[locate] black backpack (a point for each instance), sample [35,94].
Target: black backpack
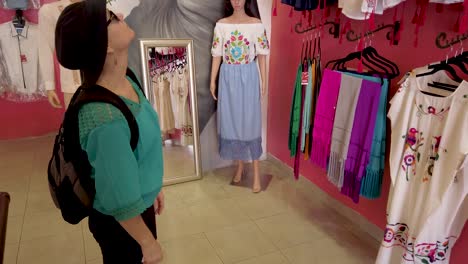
[69,171]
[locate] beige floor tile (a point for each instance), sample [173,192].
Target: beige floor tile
[288,229]
[217,214]
[240,242]
[17,203]
[326,251]
[11,253]
[40,202]
[38,182]
[62,248]
[175,223]
[219,176]
[14,226]
[261,205]
[272,258]
[200,191]
[172,197]
[15,179]
[192,249]
[45,224]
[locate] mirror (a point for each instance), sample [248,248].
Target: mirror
[169,81]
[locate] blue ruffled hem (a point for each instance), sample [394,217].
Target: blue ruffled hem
[240,150]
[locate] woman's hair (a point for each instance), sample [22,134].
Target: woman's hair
[251,8]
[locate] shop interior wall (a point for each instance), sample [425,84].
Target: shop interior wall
[284,60]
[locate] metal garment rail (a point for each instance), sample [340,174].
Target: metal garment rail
[4,203]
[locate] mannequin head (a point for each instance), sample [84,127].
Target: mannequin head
[249,6]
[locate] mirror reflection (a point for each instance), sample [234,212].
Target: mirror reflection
[171,88]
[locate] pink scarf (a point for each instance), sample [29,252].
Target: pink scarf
[324,117]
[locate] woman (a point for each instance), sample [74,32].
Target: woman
[238,40]
[128,183]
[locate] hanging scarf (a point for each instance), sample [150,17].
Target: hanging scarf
[372,182]
[306,108]
[361,138]
[342,126]
[324,117]
[295,118]
[311,111]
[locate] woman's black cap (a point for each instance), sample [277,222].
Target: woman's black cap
[81,38]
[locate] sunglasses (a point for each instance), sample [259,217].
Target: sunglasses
[112,17]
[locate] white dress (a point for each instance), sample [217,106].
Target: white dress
[427,207]
[182,113]
[163,103]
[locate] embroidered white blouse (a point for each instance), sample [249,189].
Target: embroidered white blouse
[428,157]
[239,43]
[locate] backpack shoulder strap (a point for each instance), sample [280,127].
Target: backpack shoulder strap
[100,94]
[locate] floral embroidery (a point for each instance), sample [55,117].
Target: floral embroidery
[433,156]
[413,140]
[215,41]
[263,41]
[396,235]
[430,110]
[237,49]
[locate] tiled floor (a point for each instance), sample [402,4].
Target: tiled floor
[206,222]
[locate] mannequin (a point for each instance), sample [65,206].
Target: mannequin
[238,40]
[69,80]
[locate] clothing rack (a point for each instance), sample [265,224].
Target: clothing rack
[395,27]
[442,42]
[334,29]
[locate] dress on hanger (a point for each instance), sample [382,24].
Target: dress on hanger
[428,166]
[182,113]
[163,104]
[239,99]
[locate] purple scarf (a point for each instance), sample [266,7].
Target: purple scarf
[361,138]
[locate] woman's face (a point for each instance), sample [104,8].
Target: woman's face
[119,33]
[238,4]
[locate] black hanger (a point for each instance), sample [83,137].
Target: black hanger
[442,66]
[18,19]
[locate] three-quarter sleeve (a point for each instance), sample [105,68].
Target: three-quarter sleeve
[262,45]
[216,46]
[116,171]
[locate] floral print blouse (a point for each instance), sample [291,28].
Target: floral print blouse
[239,43]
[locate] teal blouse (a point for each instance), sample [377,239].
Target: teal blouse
[127,182]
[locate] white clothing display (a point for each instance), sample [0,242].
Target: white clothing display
[163,104]
[48,16]
[361,9]
[20,78]
[239,43]
[180,90]
[427,206]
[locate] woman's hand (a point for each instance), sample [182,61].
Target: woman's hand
[159,203]
[263,90]
[213,91]
[152,253]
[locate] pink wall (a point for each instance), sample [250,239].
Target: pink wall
[28,119]
[286,48]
